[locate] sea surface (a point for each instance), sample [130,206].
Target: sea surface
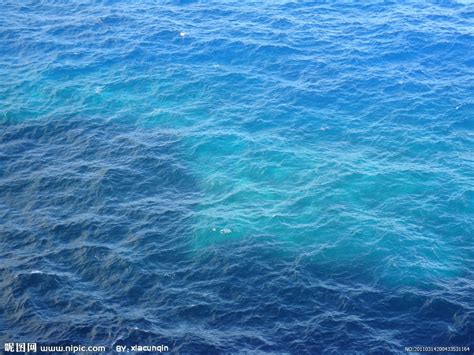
[233,176]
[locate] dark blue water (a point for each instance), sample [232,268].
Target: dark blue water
[237,177]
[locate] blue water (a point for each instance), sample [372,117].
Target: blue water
[237,176]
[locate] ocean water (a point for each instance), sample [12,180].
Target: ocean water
[286,177]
